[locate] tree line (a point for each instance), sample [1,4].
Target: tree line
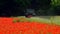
[17,7]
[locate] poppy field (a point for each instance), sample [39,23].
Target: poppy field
[24,26]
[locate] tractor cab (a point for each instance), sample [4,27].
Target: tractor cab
[29,13]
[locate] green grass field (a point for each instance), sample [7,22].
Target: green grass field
[52,20]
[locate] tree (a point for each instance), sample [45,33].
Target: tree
[55,2]
[34,3]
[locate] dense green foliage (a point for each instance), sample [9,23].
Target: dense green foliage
[55,2]
[42,7]
[34,3]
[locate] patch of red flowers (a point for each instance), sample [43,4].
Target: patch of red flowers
[8,27]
